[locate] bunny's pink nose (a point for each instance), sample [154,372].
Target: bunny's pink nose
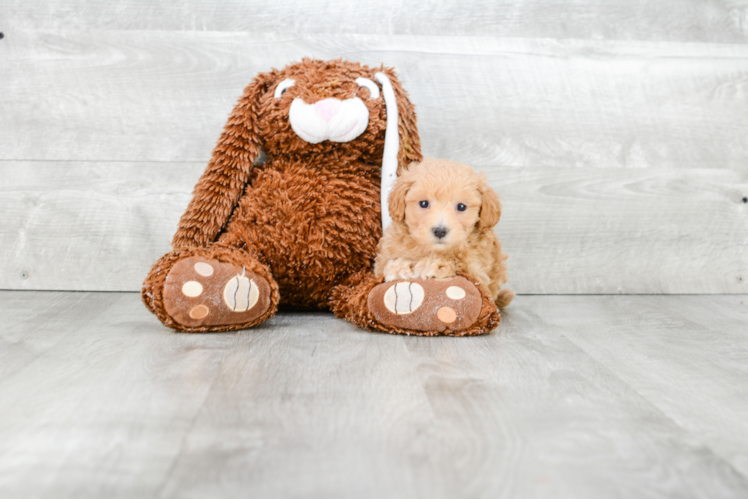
[327,108]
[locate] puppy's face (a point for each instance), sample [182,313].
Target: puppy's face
[443,204]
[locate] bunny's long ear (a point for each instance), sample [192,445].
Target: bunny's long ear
[224,180]
[410,141]
[402,144]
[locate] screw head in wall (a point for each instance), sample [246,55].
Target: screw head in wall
[24,275]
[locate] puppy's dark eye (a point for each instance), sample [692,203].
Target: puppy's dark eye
[461,207]
[424,204]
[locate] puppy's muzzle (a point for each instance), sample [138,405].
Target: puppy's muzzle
[440,231]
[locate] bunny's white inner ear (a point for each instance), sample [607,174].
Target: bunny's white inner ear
[373,89]
[391,146]
[282,86]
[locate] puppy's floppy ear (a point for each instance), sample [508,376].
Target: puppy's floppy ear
[225,178]
[396,200]
[490,209]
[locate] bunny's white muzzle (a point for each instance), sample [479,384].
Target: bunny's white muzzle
[329,119]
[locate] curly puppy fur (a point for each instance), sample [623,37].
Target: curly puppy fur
[443,215]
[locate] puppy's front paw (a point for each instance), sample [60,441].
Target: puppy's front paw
[398,269]
[433,268]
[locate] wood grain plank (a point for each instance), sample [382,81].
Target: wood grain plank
[164,96]
[624,230]
[688,356]
[526,413]
[308,405]
[84,226]
[518,413]
[100,226]
[104,412]
[704,21]
[312,406]
[33,323]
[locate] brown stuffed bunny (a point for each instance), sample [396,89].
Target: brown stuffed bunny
[301,229]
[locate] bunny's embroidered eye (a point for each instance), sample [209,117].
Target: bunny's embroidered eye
[461,207]
[283,86]
[424,204]
[373,88]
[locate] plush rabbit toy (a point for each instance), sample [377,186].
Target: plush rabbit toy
[300,230]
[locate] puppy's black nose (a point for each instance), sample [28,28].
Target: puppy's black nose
[440,232]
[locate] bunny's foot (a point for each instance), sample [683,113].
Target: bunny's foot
[202,293]
[452,306]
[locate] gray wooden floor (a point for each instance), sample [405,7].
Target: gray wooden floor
[632,396]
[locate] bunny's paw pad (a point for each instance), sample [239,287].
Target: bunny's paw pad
[207,292]
[426,305]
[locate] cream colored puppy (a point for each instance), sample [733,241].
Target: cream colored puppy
[443,214]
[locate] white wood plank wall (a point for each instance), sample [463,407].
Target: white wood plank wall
[616,131]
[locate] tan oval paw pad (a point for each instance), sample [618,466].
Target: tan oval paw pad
[192,289]
[446,314]
[404,297]
[203,269]
[241,293]
[199,312]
